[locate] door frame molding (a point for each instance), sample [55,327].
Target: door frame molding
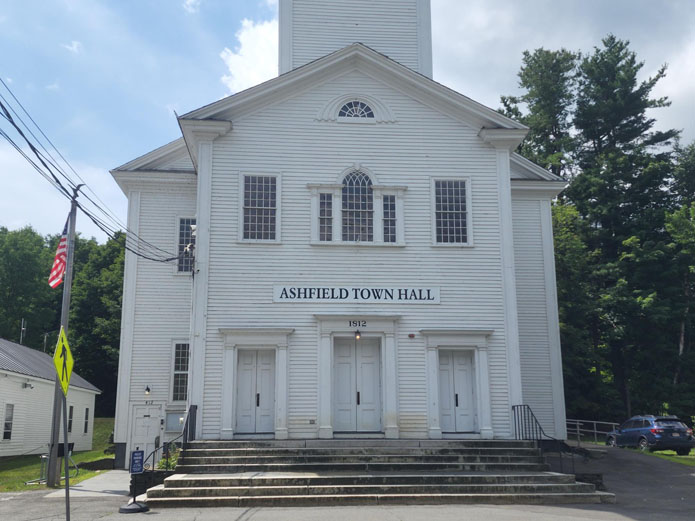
[381,326]
[257,338]
[475,340]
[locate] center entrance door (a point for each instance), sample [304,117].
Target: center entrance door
[456,391]
[255,391]
[357,385]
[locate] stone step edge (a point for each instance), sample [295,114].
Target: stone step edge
[537,498]
[585,487]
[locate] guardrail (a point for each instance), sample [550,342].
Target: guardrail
[589,430]
[527,427]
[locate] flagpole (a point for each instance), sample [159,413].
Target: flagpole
[53,473]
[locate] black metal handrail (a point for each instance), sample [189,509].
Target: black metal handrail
[527,427]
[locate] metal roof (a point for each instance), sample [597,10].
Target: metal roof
[20,359]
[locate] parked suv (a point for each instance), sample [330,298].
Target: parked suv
[653,433]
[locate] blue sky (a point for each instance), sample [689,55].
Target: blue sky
[103,78]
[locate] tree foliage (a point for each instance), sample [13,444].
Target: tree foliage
[95,312]
[621,229]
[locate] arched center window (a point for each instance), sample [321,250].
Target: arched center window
[356,109]
[358,208]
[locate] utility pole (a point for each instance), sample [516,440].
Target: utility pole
[53,474]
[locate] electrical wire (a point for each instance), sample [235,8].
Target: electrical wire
[137,246]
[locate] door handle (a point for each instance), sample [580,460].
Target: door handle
[358,397]
[456,399]
[258,399]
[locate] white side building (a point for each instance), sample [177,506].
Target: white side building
[351,196]
[27,384]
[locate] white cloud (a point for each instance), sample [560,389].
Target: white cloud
[255,59]
[28,199]
[53,86]
[191,6]
[74,46]
[273,4]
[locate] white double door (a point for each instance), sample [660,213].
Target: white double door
[357,385]
[457,391]
[255,391]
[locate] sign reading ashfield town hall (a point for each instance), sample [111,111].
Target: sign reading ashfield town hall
[393,295]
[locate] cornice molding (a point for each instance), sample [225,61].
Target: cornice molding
[503,138]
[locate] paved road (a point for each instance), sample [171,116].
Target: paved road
[647,488]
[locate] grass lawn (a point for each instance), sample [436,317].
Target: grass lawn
[672,456]
[15,470]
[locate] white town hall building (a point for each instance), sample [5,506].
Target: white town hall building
[361,253]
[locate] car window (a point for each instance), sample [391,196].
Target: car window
[628,424]
[670,423]
[646,423]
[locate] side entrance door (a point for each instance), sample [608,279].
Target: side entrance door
[457,391]
[147,428]
[357,385]
[255,391]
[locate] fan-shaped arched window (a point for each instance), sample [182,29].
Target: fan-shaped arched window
[356,109]
[358,207]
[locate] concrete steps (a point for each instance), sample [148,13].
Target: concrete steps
[333,472]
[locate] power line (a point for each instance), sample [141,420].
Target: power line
[142,248]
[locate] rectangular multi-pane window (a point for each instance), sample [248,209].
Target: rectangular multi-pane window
[9,420]
[70,411]
[389,218]
[450,211]
[325,217]
[180,390]
[260,207]
[186,244]
[86,420]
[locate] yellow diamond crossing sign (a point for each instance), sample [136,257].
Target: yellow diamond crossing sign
[63,361]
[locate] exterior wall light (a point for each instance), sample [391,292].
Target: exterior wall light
[358,335]
[147,390]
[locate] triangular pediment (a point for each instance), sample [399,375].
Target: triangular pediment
[172,157]
[360,57]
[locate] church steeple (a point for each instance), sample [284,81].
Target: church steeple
[400,29]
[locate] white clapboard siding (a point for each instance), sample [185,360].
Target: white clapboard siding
[286,139]
[532,297]
[320,27]
[163,296]
[33,406]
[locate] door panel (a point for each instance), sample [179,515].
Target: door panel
[464,391]
[265,390]
[447,412]
[457,400]
[255,391]
[344,387]
[368,365]
[246,392]
[146,427]
[356,369]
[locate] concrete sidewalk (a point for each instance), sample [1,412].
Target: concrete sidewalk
[108,484]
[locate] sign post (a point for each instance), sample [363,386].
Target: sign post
[64,362]
[137,466]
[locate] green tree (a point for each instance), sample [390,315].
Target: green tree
[548,79]
[95,317]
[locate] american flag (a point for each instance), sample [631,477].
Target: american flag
[61,260]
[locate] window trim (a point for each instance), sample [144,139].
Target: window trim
[378,208]
[278,208]
[176,244]
[170,397]
[469,212]
[85,430]
[71,415]
[5,422]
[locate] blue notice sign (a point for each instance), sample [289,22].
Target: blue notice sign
[136,461]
